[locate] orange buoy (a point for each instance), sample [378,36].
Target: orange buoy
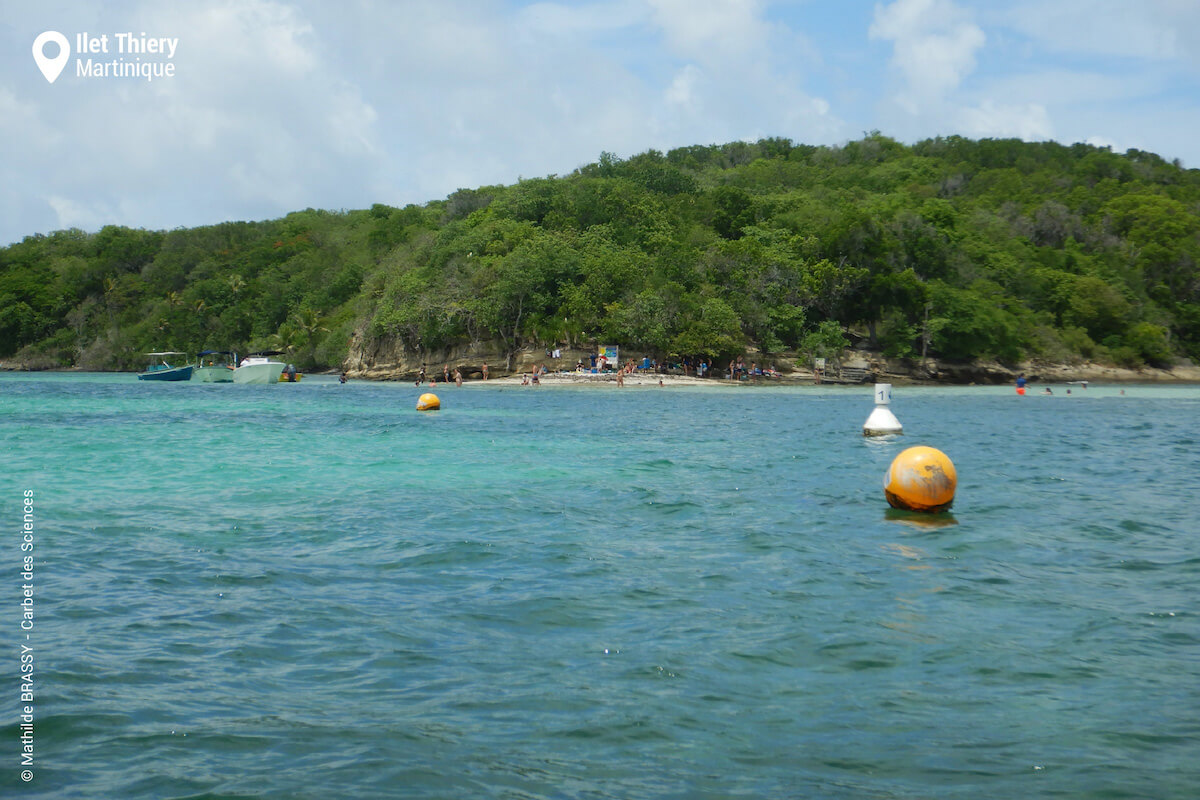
[428,402]
[920,479]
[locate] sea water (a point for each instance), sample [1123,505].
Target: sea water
[314,591]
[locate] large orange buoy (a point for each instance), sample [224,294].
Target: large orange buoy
[920,479]
[428,402]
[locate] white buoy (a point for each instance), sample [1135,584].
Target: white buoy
[882,421]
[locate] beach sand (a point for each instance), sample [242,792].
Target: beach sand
[607,379]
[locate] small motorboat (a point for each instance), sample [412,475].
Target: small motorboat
[160,370]
[218,368]
[259,368]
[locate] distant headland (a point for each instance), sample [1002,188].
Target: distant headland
[949,260]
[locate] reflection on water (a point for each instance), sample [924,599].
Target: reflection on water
[919,521]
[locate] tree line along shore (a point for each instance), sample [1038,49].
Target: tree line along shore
[951,252]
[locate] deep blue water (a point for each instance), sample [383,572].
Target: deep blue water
[315,591]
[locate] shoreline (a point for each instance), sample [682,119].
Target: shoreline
[873,371]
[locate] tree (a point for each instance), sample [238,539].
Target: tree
[308,325]
[825,341]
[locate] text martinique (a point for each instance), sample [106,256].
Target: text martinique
[120,68]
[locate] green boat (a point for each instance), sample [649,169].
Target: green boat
[214,366]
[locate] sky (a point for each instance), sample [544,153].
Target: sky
[279,105]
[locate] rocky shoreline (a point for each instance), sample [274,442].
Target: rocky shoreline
[384,360]
[857,367]
[990,372]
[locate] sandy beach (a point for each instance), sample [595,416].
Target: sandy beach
[607,379]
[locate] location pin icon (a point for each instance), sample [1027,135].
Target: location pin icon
[51,67]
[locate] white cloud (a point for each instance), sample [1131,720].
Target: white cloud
[682,91]
[1150,29]
[1062,88]
[934,45]
[999,120]
[69,214]
[254,124]
[562,20]
[708,30]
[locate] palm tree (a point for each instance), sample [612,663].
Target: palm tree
[308,323]
[286,339]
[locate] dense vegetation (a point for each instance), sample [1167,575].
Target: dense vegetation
[956,248]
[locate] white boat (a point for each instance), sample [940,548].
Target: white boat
[259,368]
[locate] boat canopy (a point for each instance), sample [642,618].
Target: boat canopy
[167,353]
[266,353]
[215,353]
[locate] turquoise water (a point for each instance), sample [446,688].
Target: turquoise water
[314,591]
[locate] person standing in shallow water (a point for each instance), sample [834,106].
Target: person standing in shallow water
[457,377]
[485,372]
[1021,383]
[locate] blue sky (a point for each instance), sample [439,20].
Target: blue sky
[279,105]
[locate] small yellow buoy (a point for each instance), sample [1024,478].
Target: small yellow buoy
[920,479]
[428,402]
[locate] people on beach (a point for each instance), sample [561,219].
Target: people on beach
[485,372]
[420,376]
[446,373]
[457,377]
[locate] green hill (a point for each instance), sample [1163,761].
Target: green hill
[958,248]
